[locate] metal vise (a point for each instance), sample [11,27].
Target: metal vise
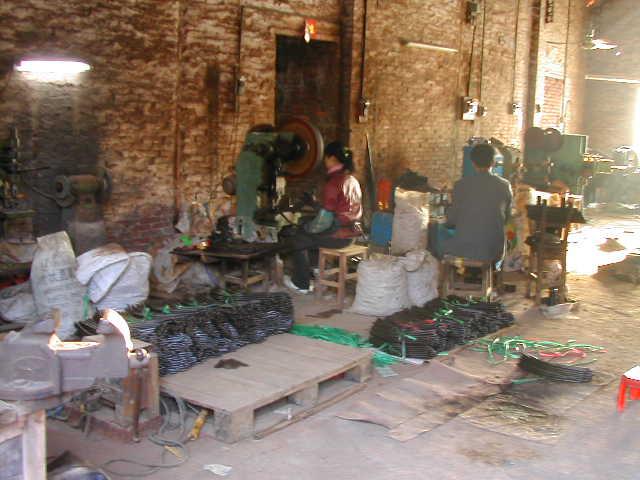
[36,364]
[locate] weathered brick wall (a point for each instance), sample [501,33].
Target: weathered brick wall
[552,103]
[121,113]
[223,41]
[162,88]
[570,16]
[611,118]
[415,93]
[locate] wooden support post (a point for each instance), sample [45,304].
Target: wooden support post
[230,427]
[34,447]
[360,373]
[307,397]
[342,280]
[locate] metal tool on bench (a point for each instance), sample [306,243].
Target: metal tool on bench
[35,364]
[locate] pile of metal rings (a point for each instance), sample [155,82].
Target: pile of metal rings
[440,325]
[186,335]
[555,371]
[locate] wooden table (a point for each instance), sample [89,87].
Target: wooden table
[245,254]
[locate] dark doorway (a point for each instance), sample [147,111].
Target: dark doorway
[308,85]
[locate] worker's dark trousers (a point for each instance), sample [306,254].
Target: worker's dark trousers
[301,244]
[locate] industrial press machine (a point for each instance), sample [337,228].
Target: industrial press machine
[270,157]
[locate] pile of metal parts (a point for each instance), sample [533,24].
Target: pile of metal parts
[422,332]
[543,358]
[554,371]
[185,335]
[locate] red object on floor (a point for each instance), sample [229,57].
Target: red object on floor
[631,381]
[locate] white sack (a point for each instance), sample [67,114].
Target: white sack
[166,271]
[423,281]
[54,282]
[101,268]
[410,222]
[382,287]
[132,287]
[17,252]
[17,304]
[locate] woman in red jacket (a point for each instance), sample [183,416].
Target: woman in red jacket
[337,225]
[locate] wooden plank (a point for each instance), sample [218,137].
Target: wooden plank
[274,359]
[271,374]
[297,344]
[285,368]
[260,434]
[204,387]
[34,448]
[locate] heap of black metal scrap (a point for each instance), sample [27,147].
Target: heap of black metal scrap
[422,332]
[185,335]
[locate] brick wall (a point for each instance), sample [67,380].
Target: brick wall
[551,114]
[561,40]
[415,92]
[167,122]
[611,118]
[119,114]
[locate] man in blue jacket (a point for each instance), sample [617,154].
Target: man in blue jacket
[480,209]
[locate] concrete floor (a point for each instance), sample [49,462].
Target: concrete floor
[599,443]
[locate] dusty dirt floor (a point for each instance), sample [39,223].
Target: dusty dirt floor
[595,441]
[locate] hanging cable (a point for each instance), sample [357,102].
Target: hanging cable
[168,445]
[484,28]
[473,43]
[565,69]
[515,53]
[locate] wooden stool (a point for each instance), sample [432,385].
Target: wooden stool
[451,264]
[342,271]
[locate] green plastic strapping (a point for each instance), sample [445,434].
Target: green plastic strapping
[501,349]
[343,337]
[86,307]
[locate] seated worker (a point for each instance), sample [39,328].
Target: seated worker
[480,208]
[337,225]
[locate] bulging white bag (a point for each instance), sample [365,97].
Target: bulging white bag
[410,222]
[100,268]
[382,287]
[423,281]
[17,305]
[132,287]
[116,279]
[54,283]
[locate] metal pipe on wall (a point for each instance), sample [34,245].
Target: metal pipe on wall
[177,133]
[515,53]
[565,69]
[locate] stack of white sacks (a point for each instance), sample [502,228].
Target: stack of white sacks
[388,284]
[107,277]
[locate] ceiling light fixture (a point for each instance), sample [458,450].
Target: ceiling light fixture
[52,66]
[52,70]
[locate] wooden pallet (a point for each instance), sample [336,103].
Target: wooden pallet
[288,377]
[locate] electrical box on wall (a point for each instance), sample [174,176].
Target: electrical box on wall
[515,108]
[472,109]
[473,9]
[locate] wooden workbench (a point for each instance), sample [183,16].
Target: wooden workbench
[244,254]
